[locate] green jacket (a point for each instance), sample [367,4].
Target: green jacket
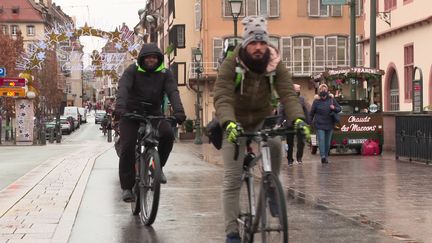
[250,103]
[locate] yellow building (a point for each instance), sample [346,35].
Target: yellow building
[310,36]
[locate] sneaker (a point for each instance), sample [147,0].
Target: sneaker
[299,161]
[273,204]
[290,162]
[163,179]
[233,237]
[324,160]
[128,196]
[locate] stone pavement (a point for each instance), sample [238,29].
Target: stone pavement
[394,197]
[41,206]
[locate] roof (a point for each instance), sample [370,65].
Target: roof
[28,12]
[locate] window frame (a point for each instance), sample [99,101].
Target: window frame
[14,30]
[286,52]
[33,32]
[390,5]
[319,68]
[319,9]
[5,29]
[305,70]
[408,70]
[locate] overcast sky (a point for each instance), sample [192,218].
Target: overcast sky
[101,14]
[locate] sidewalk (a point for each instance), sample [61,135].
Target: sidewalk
[394,197]
[41,206]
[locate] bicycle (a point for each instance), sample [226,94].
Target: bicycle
[148,168]
[256,215]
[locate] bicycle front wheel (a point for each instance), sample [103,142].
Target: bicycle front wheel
[273,217]
[149,186]
[245,216]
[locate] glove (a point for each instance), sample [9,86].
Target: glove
[232,130]
[180,118]
[300,125]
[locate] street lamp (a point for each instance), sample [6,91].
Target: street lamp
[236,7]
[198,69]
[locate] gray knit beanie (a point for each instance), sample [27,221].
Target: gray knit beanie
[255,29]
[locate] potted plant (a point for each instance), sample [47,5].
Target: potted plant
[188,127]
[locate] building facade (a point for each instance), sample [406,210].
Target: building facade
[402,39]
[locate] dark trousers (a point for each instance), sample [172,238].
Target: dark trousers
[128,137]
[300,146]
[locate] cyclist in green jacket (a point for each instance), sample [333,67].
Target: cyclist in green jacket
[246,86]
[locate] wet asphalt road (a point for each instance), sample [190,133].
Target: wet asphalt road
[190,209]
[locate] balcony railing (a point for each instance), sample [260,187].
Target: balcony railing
[297,69]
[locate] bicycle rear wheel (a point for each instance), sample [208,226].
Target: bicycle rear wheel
[149,186]
[245,216]
[273,219]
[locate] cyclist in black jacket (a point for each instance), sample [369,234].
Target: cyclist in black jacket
[145,81]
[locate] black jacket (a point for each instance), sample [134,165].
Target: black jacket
[139,85]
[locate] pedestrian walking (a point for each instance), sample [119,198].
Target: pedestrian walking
[321,115]
[289,124]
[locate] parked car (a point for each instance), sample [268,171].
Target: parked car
[73,112]
[83,114]
[50,126]
[99,116]
[66,125]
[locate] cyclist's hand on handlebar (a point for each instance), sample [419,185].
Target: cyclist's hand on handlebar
[300,125]
[180,118]
[232,130]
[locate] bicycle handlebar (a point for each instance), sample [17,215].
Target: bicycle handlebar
[139,117]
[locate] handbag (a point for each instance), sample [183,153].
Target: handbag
[335,116]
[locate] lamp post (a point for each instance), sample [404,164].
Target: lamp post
[236,7]
[198,70]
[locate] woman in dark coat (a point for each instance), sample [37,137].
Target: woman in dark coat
[323,122]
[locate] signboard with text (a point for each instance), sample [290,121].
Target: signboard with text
[333,2]
[12,82]
[12,92]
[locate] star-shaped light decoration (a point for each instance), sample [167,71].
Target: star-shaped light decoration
[42,45]
[40,56]
[118,46]
[22,106]
[27,135]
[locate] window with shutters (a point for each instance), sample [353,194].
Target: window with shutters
[336,51]
[390,5]
[359,51]
[359,7]
[408,70]
[342,51]
[274,41]
[394,91]
[317,9]
[217,51]
[14,29]
[171,8]
[286,52]
[319,54]
[269,8]
[181,37]
[30,30]
[302,56]
[198,15]
[336,10]
[4,29]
